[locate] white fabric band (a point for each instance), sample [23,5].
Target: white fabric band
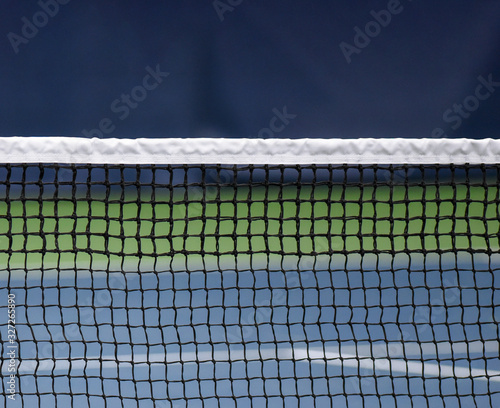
[248,151]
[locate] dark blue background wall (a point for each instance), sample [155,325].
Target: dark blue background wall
[233,68]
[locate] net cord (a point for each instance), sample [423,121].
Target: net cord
[248,151]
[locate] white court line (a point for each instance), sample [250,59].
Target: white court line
[369,365]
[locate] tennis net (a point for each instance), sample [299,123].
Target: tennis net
[326,273]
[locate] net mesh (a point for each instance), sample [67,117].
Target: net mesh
[232,286]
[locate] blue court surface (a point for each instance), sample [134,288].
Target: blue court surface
[340,331]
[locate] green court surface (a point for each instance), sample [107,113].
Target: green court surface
[272,220]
